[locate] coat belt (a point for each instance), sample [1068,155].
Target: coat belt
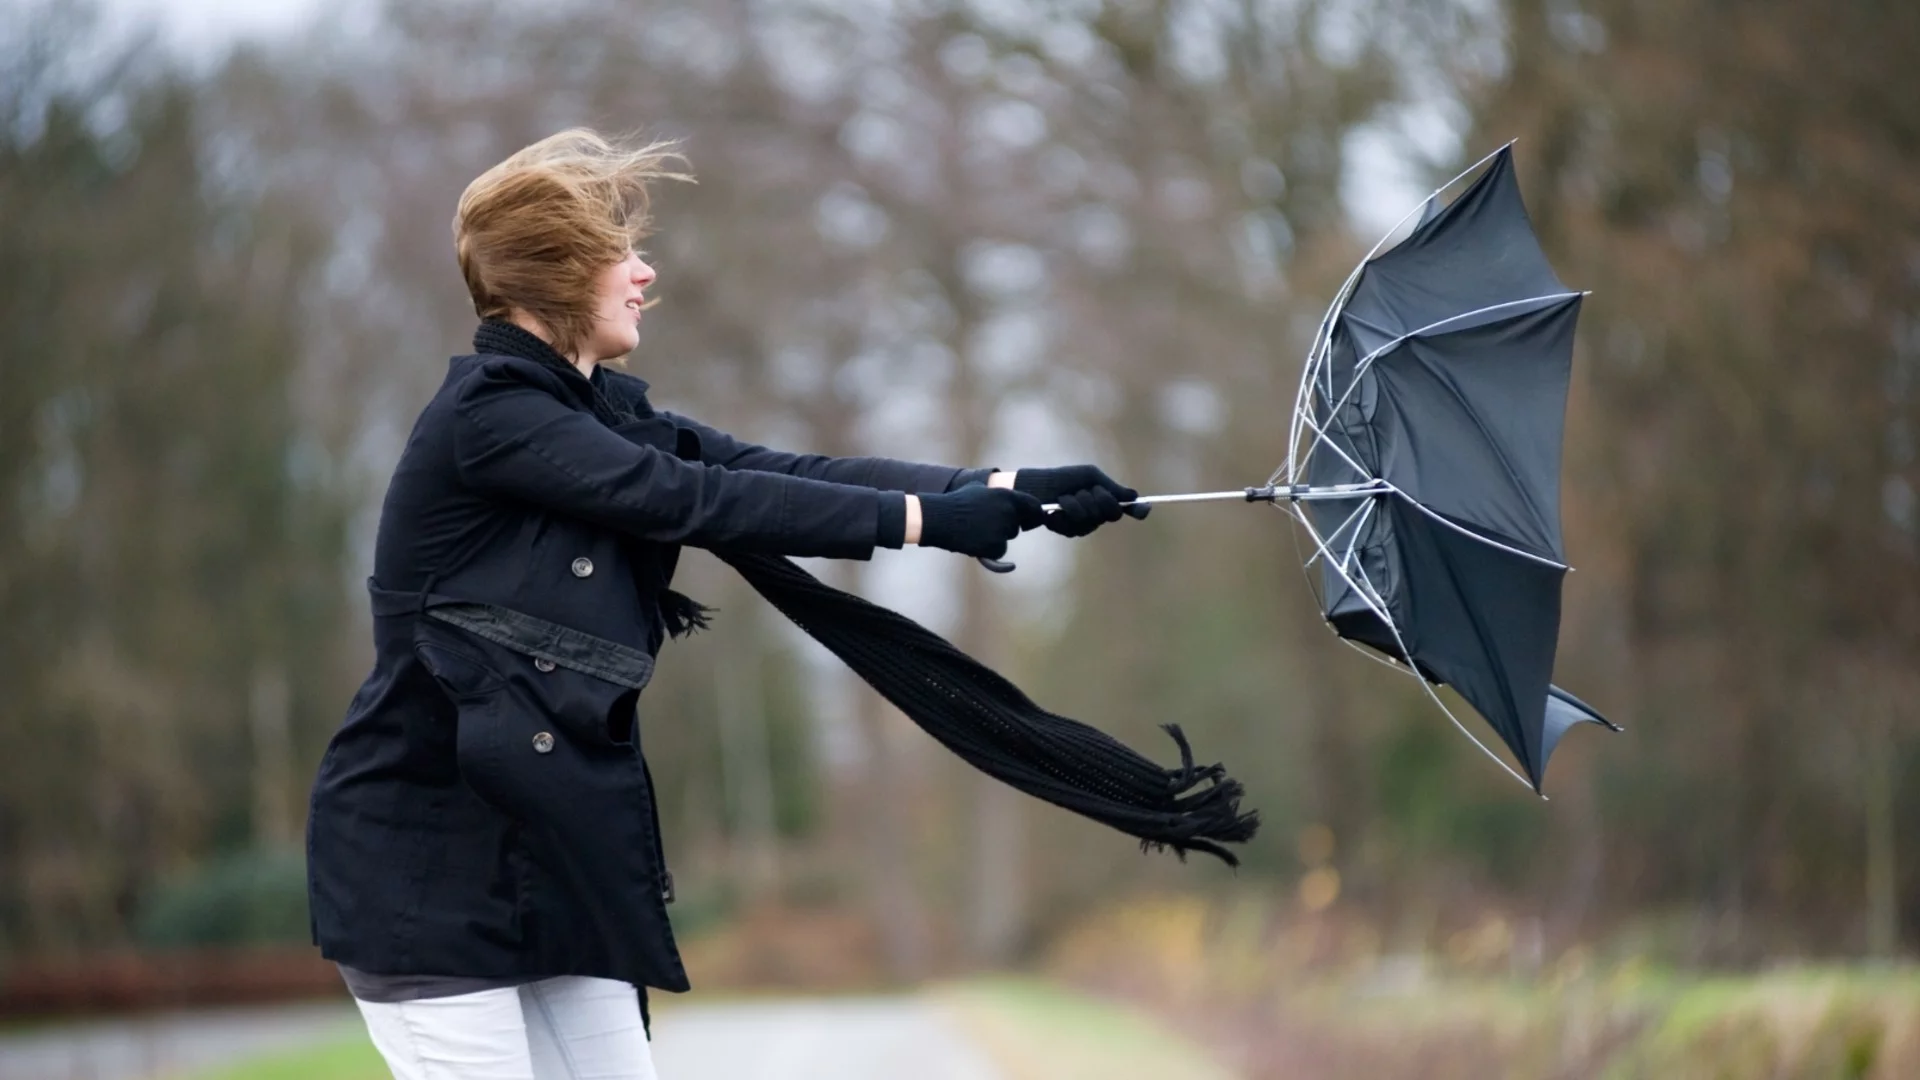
[564,646]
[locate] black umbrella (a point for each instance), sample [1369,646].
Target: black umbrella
[1439,385]
[1424,461]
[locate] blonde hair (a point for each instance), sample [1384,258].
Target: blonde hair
[535,232]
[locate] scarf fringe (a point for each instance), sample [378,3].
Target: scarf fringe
[683,614]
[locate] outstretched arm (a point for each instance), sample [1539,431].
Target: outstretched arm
[514,438]
[882,474]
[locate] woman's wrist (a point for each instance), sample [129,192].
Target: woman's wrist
[915,514]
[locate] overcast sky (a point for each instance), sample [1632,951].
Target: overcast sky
[204,27]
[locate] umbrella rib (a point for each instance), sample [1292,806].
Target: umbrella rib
[1301,395]
[1366,362]
[1317,348]
[1366,511]
[1432,195]
[1317,355]
[1323,440]
[1424,685]
[1463,531]
[1427,686]
[1495,660]
[1320,433]
[1446,380]
[1339,531]
[1368,595]
[1376,657]
[1432,326]
[1342,527]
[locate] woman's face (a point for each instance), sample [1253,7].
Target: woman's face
[616,328]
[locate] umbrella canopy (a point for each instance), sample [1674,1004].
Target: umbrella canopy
[1435,399]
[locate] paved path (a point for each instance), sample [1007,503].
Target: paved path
[161,1043]
[815,1039]
[785,1039]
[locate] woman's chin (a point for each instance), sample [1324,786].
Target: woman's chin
[617,348]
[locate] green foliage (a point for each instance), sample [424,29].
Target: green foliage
[1812,1025]
[172,522]
[1435,810]
[247,898]
[351,1058]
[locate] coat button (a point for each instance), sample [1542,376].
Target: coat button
[541,663]
[582,566]
[543,743]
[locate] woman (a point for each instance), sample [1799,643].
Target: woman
[484,855]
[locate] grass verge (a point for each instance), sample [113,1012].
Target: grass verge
[1037,1030]
[347,1057]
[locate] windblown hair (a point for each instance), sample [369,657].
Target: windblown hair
[535,232]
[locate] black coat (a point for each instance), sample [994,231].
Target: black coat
[485,809]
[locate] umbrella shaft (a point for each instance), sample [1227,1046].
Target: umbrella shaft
[1271,493]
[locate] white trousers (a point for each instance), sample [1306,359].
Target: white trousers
[567,1028]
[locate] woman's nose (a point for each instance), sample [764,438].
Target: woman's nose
[643,274]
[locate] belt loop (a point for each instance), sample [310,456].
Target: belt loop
[426,590]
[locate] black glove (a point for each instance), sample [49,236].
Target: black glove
[976,519]
[1088,498]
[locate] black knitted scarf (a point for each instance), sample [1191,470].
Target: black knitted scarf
[970,709]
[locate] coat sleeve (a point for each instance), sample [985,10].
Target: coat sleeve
[881,474]
[514,439]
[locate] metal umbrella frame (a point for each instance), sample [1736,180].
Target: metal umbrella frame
[1324,391]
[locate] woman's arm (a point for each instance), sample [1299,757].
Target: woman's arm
[882,474]
[514,438]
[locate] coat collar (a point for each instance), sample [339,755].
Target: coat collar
[624,393]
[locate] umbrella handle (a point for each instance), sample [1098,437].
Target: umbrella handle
[1259,494]
[1266,494]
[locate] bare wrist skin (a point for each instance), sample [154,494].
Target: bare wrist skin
[1002,479]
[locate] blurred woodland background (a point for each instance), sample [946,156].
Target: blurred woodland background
[997,232]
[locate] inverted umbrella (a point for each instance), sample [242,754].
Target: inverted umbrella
[1424,461]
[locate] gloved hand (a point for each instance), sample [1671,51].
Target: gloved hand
[1088,497]
[976,519]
